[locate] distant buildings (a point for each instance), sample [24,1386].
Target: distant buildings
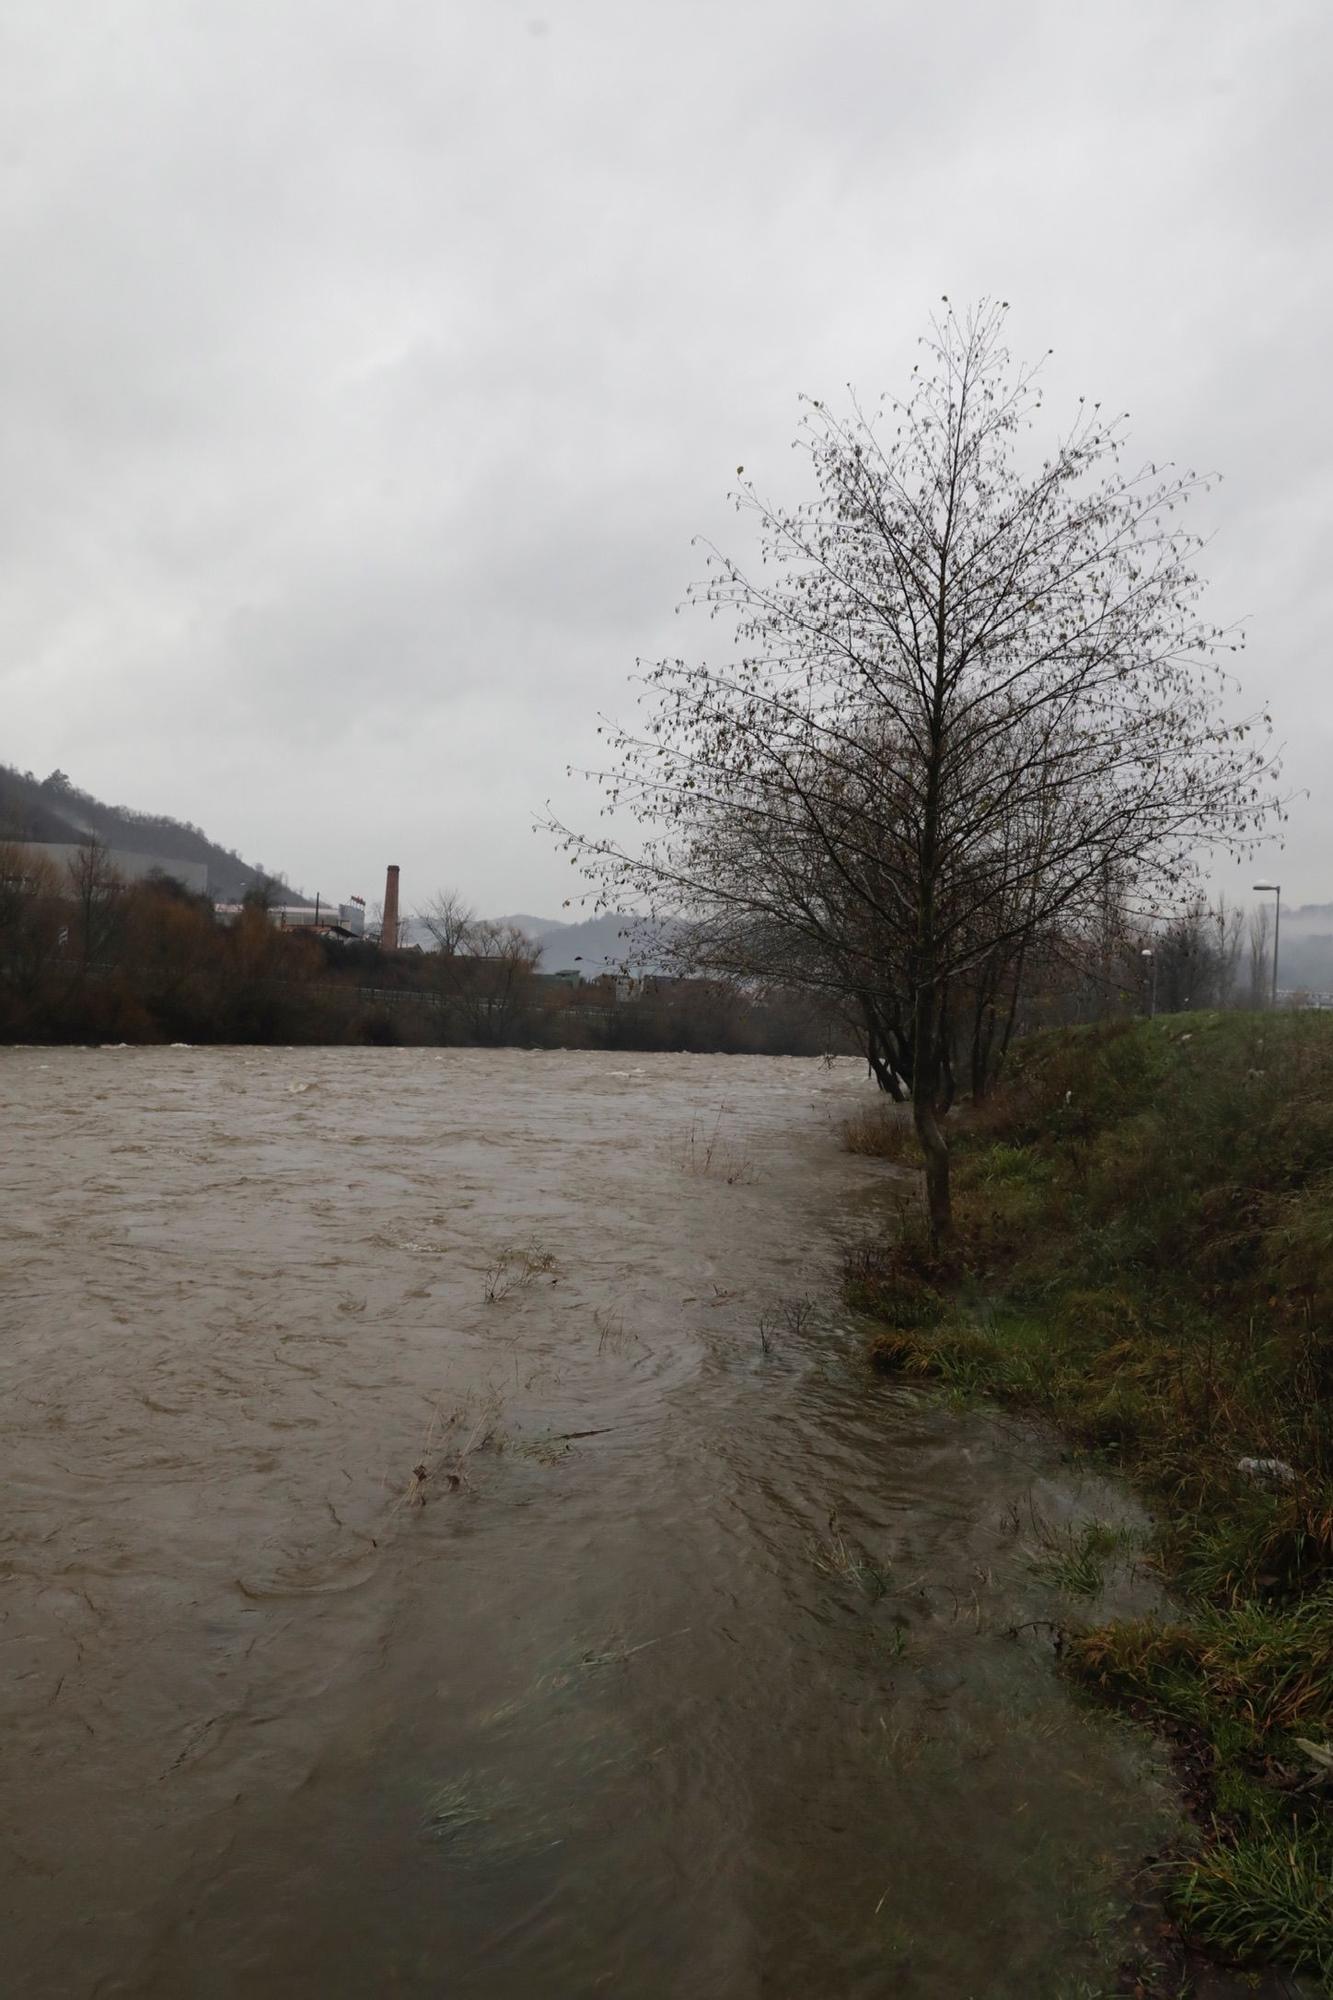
[346,920]
[602,987]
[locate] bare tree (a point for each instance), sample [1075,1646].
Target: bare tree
[1196,956]
[449,922]
[1228,924]
[973,680]
[482,970]
[95,885]
[493,983]
[1259,939]
[31,921]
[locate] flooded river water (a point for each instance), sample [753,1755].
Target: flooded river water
[452,1546]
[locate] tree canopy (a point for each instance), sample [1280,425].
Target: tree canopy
[972,692]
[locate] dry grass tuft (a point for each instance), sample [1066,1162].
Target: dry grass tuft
[516,1267]
[885,1133]
[708,1154]
[843,1562]
[612,1335]
[791,1316]
[450,1443]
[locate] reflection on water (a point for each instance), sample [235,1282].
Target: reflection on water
[450,1546]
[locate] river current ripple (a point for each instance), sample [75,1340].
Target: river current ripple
[452,1545]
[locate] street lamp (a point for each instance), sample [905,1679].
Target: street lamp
[1276,888]
[1146,953]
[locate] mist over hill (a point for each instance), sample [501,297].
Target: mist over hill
[616,942]
[55,808]
[1305,949]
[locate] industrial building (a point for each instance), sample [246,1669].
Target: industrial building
[329,919]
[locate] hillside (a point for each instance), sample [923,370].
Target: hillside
[607,944]
[53,808]
[597,945]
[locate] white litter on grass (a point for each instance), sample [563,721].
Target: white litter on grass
[1273,1471]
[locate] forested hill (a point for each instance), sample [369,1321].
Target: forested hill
[53,808]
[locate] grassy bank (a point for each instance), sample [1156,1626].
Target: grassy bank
[1146,1251]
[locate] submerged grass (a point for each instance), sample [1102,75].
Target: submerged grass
[1076,1558]
[706,1153]
[883,1134]
[842,1561]
[514,1268]
[1145,1250]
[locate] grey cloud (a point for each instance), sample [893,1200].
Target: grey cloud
[369,367]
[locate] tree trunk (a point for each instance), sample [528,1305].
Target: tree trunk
[929,1000]
[925,1106]
[983,1027]
[882,1055]
[939,1202]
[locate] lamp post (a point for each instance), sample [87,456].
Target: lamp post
[1146,953]
[1276,889]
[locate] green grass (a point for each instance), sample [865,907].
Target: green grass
[1146,1251]
[1075,1559]
[1265,1897]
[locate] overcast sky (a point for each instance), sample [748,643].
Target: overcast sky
[369,364]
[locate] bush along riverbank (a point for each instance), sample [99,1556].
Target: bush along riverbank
[1145,1251]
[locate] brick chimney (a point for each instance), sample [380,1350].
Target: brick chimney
[389,925]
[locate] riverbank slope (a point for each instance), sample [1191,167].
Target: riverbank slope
[1146,1251]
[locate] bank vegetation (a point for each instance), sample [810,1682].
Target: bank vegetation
[1144,1249]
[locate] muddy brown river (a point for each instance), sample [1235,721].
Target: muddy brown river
[452,1546]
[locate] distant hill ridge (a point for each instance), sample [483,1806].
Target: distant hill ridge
[55,809]
[611,943]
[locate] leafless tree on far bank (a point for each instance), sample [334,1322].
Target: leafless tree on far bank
[94,885]
[449,922]
[1260,948]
